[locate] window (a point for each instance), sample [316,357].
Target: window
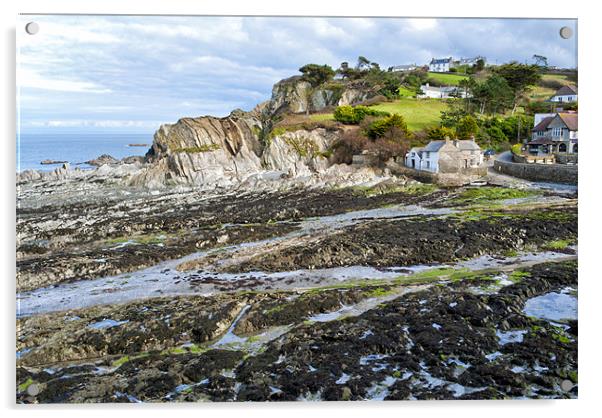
[556,131]
[428,164]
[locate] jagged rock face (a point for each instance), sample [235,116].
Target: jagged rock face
[299,153]
[292,94]
[205,150]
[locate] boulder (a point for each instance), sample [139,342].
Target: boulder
[102,160]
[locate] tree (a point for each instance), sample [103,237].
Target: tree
[363,63]
[520,77]
[540,60]
[480,65]
[467,127]
[493,95]
[316,75]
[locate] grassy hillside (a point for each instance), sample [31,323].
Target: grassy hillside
[449,79]
[418,113]
[543,93]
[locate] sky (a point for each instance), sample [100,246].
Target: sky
[133,73]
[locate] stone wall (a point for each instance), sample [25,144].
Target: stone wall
[533,159]
[566,158]
[554,173]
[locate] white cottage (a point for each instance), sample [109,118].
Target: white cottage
[441,65]
[446,156]
[565,94]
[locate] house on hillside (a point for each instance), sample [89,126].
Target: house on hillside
[447,156]
[445,92]
[471,61]
[554,133]
[565,94]
[441,65]
[403,68]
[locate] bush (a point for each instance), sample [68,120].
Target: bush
[517,149]
[384,149]
[467,127]
[351,115]
[440,132]
[351,143]
[381,127]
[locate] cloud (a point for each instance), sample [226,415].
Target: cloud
[422,23]
[30,79]
[146,69]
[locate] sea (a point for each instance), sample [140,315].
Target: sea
[76,149]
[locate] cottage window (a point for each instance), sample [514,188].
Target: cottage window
[428,164]
[557,132]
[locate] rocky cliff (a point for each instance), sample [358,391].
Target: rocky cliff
[223,152]
[293,94]
[210,152]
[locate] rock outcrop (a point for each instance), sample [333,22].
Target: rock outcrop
[205,150]
[210,152]
[293,95]
[102,160]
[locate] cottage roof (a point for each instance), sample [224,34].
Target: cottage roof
[434,146]
[541,141]
[570,120]
[543,125]
[441,60]
[566,91]
[464,144]
[469,145]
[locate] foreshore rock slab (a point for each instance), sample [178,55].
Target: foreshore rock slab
[385,243]
[456,340]
[61,240]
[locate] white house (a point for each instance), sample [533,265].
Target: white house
[403,68]
[441,65]
[446,156]
[565,94]
[471,61]
[446,92]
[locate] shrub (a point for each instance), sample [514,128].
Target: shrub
[517,149]
[440,132]
[351,143]
[354,115]
[381,127]
[384,149]
[467,127]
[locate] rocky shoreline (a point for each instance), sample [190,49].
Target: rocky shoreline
[389,290]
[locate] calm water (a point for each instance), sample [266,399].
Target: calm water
[76,148]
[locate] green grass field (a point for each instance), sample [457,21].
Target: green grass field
[544,93]
[449,79]
[418,113]
[403,92]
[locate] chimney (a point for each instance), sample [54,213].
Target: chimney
[456,143]
[446,138]
[472,138]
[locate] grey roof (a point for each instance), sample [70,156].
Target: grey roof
[566,91]
[467,144]
[441,60]
[463,144]
[434,146]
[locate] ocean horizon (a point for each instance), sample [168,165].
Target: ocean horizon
[76,148]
